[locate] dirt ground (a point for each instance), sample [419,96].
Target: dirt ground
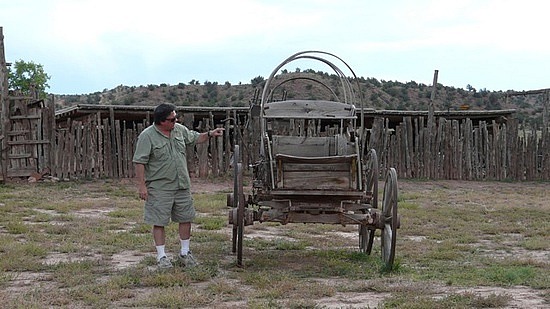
[521,297]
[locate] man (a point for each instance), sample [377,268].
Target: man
[163,180]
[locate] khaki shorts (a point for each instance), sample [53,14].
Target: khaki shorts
[162,206]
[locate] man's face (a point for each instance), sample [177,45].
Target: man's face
[170,121]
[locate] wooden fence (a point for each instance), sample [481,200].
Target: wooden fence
[453,149]
[92,147]
[417,148]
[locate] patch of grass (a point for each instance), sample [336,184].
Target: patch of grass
[16,227]
[454,300]
[166,279]
[225,289]
[68,247]
[408,205]
[406,196]
[73,273]
[348,264]
[128,278]
[66,217]
[536,243]
[5,278]
[141,228]
[282,244]
[176,297]
[209,237]
[264,280]
[17,256]
[509,275]
[127,213]
[119,191]
[446,250]
[211,223]
[58,229]
[42,217]
[210,203]
[115,242]
[286,285]
[40,297]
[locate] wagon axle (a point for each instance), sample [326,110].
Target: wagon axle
[372,219]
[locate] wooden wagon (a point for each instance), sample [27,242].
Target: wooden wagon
[313,166]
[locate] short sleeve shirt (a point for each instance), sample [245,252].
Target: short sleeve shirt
[165,157]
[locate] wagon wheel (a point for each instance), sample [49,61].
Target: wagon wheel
[371,176]
[366,235]
[391,220]
[238,201]
[366,238]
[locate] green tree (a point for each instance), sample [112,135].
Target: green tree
[257,81]
[28,76]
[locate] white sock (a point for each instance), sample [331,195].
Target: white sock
[160,252]
[184,246]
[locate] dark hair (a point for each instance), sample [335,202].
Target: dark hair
[162,111]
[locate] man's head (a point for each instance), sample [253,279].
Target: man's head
[164,112]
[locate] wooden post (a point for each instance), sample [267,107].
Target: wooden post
[434,87]
[545,164]
[50,129]
[118,143]
[228,149]
[188,120]
[99,164]
[213,148]
[431,130]
[107,145]
[202,150]
[4,109]
[114,150]
[545,110]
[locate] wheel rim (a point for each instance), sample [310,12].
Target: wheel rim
[389,213]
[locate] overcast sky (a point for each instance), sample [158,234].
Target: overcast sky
[92,45]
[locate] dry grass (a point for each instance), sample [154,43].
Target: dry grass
[461,245]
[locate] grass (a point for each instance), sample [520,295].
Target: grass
[59,244]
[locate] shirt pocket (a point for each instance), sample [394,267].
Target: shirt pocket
[161,151]
[180,145]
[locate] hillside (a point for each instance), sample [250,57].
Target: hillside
[377,94]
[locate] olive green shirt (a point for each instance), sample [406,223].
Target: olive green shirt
[165,157]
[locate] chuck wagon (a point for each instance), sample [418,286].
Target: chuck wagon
[313,166]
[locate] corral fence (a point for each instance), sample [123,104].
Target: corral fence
[98,145]
[456,149]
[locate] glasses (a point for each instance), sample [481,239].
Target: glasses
[171,119]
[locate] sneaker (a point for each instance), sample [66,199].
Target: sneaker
[188,260]
[164,263]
